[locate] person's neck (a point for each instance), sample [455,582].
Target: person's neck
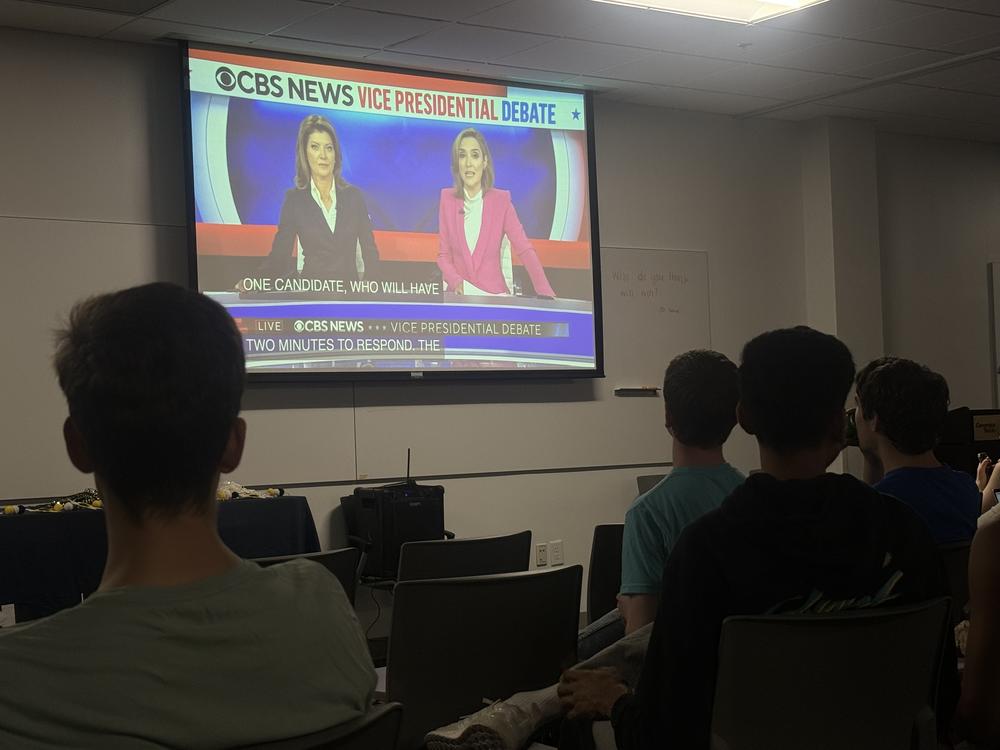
[324,185]
[893,459]
[804,464]
[474,193]
[162,551]
[689,455]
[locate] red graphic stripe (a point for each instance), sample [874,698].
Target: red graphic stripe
[254,240]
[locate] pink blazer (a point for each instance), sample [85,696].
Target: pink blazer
[482,268]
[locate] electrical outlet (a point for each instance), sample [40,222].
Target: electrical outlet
[556,552]
[541,555]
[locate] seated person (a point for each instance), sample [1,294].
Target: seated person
[902,408]
[977,719]
[700,391]
[789,537]
[183,644]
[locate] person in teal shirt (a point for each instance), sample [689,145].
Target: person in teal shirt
[700,393]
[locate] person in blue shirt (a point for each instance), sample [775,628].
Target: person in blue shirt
[902,407]
[700,393]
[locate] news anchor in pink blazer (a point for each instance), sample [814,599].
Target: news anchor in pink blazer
[473,218]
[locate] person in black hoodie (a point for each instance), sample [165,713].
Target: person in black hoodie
[791,538]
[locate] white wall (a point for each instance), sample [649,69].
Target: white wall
[939,227]
[92,159]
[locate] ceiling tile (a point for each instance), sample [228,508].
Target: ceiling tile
[650,29]
[255,16]
[317,49]
[888,98]
[148,29]
[846,18]
[359,28]
[767,81]
[471,43]
[447,10]
[976,43]
[25,15]
[128,7]
[564,18]
[710,101]
[508,73]
[754,43]
[953,105]
[667,68]
[981,76]
[939,30]
[573,56]
[839,56]
[989,7]
[901,64]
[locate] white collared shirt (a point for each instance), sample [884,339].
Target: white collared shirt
[473,219]
[473,214]
[331,221]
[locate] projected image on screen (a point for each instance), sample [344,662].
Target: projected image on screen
[353,218]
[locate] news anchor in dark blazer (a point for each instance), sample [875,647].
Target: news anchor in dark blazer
[324,231]
[473,219]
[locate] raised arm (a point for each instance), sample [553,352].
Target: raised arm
[526,252]
[977,718]
[280,261]
[445,251]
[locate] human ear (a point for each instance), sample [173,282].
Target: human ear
[76,447]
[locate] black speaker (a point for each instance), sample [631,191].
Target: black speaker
[383,518]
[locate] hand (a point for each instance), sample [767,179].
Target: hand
[587,693]
[983,473]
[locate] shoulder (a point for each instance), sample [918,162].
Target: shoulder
[300,578]
[350,194]
[448,195]
[497,196]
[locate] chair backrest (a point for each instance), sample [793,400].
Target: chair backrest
[956,564]
[646,482]
[864,679]
[455,558]
[376,730]
[457,641]
[343,563]
[605,577]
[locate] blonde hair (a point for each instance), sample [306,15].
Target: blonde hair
[488,176]
[316,124]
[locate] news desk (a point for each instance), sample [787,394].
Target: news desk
[48,561]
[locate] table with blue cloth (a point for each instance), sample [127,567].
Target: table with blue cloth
[48,561]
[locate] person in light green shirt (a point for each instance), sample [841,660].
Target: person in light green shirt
[700,393]
[183,644]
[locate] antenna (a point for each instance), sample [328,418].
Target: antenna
[407,465]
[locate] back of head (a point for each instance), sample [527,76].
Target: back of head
[909,400]
[154,377]
[700,391]
[793,385]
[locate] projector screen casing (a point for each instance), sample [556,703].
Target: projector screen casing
[397,374]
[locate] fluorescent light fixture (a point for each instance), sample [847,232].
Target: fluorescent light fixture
[736,11]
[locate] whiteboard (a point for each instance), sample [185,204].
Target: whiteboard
[655,307]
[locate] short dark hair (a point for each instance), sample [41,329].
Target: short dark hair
[909,399]
[793,382]
[154,377]
[700,390]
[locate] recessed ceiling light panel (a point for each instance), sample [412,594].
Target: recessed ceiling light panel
[736,11]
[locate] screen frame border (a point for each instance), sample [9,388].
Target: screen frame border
[401,375]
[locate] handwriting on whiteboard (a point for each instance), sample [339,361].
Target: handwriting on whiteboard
[649,285]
